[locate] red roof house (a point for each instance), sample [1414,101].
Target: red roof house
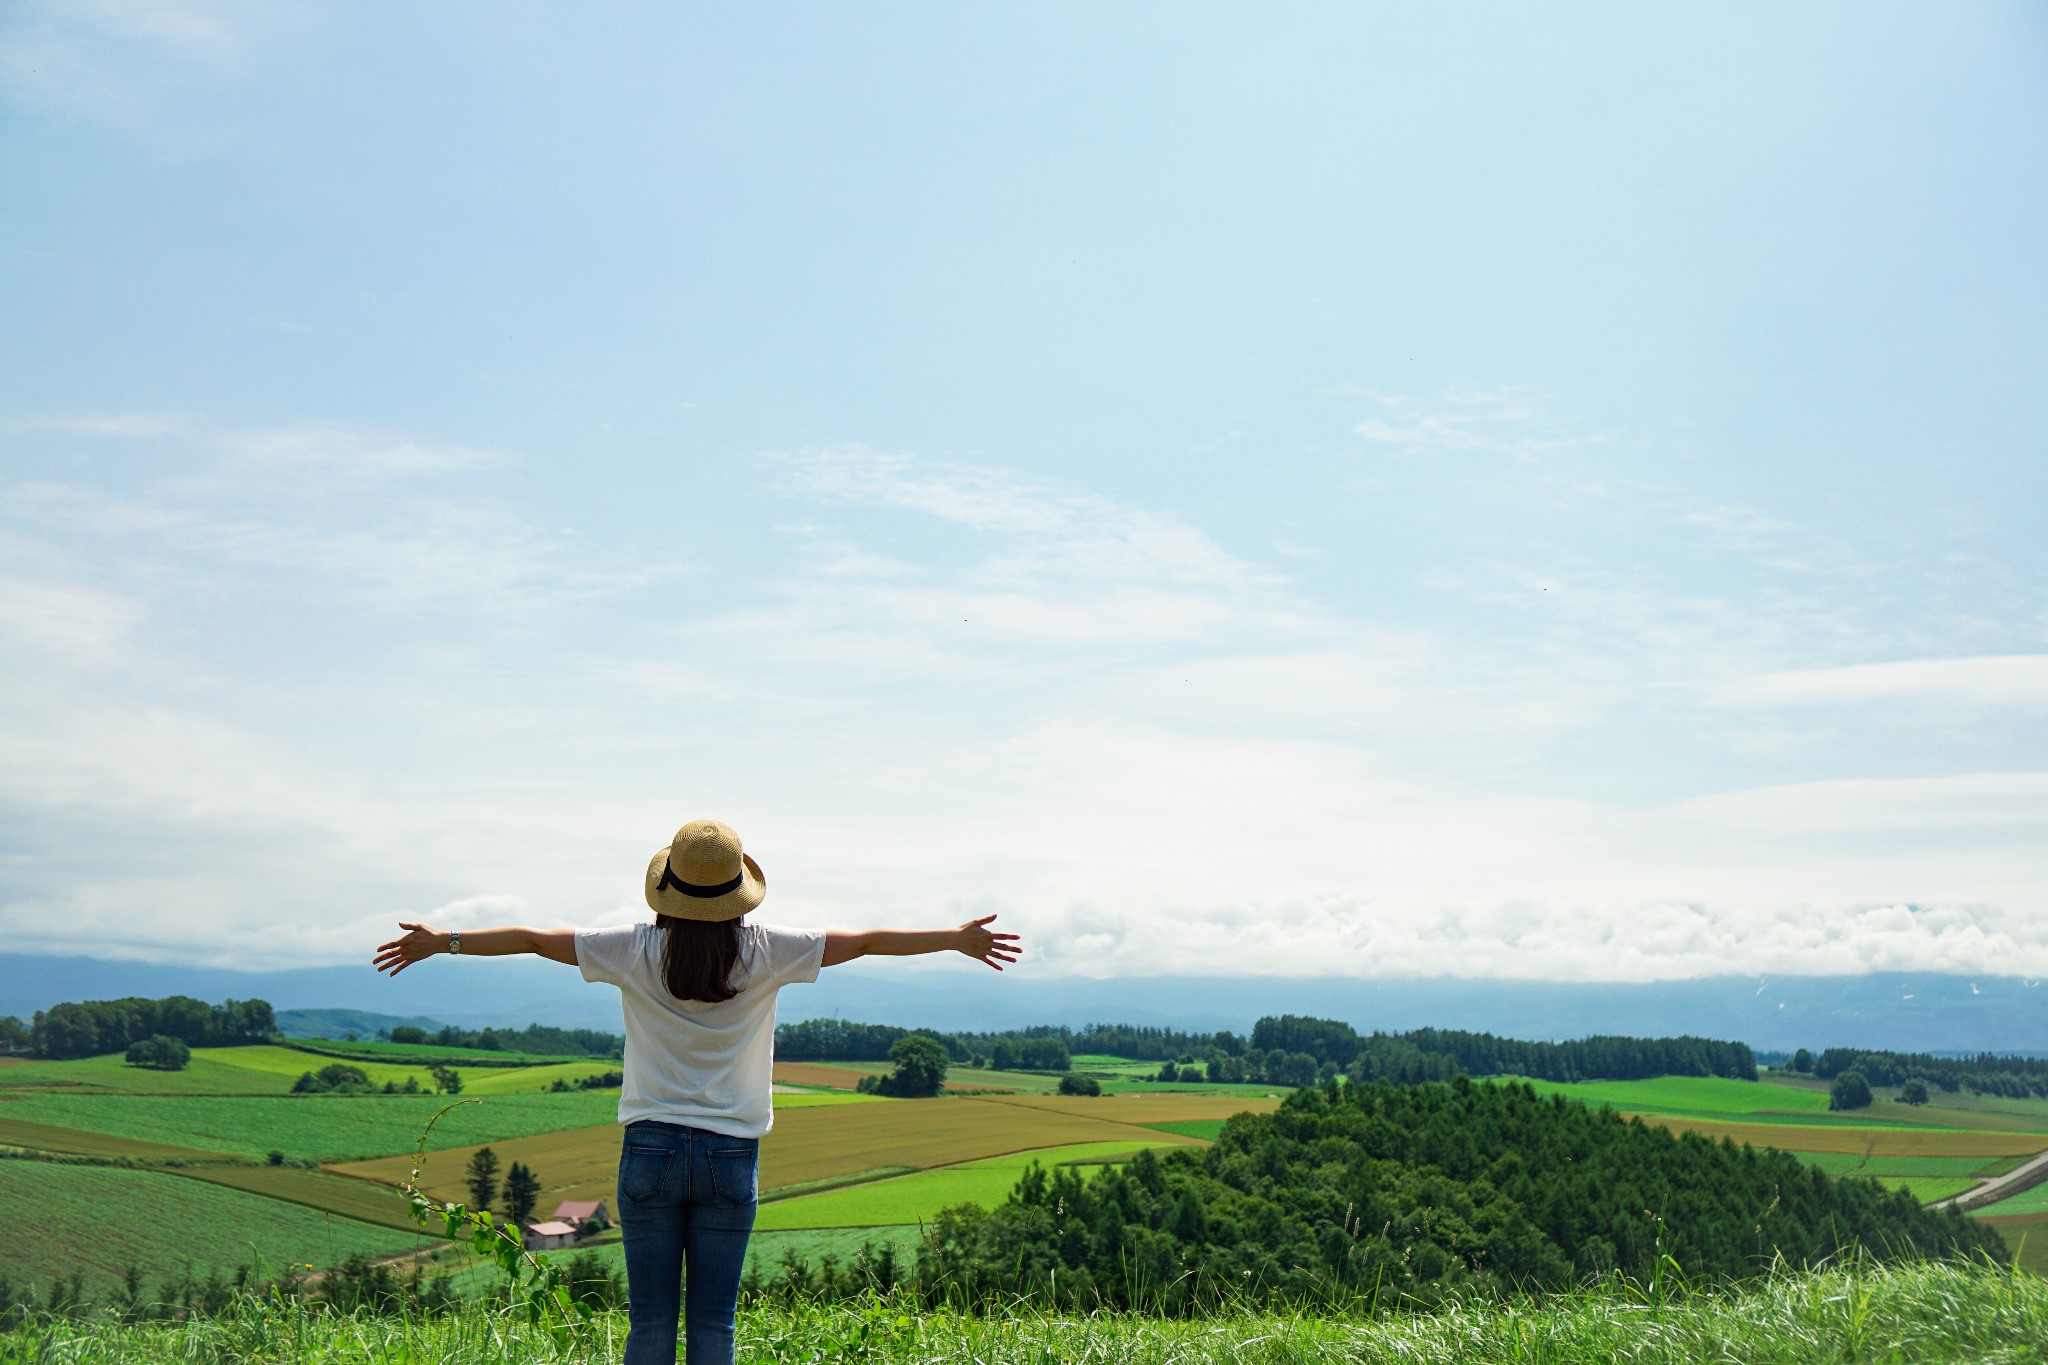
[580,1211]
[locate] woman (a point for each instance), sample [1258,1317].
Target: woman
[698,988]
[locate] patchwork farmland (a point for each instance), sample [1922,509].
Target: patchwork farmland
[218,1166]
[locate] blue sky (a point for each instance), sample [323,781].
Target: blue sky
[1342,488]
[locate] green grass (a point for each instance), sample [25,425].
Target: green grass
[1906,1315]
[911,1198]
[765,1252]
[310,1127]
[101,1220]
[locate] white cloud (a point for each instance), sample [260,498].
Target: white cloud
[2001,680]
[1461,422]
[1148,754]
[1053,531]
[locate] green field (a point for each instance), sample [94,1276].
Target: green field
[1208,1130]
[101,1220]
[1856,1163]
[920,1197]
[1925,1188]
[420,1054]
[2026,1201]
[270,1070]
[309,1127]
[365,1200]
[1933,1151]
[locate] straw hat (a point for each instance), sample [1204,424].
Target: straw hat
[702,874]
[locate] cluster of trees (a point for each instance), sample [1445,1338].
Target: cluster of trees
[90,1027]
[1383,1192]
[536,1038]
[339,1078]
[920,1069]
[1984,1074]
[604,1080]
[159,1053]
[1291,1051]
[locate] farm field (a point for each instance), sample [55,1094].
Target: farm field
[359,1199]
[268,1070]
[420,1054]
[1932,1151]
[920,1197]
[43,1137]
[959,1079]
[1925,1188]
[101,1220]
[309,1127]
[814,1143]
[2025,1233]
[2025,1202]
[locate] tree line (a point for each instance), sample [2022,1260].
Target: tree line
[1385,1193]
[89,1027]
[1984,1074]
[1288,1050]
[540,1039]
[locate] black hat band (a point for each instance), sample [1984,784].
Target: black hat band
[671,882]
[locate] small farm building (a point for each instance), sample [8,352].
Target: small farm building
[581,1211]
[549,1235]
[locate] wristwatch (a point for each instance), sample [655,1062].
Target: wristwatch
[455,943]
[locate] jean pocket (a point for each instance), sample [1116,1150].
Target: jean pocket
[735,1174]
[643,1171]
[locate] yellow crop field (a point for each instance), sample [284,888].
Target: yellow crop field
[810,1142]
[1163,1107]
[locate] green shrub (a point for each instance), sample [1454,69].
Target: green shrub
[160,1053]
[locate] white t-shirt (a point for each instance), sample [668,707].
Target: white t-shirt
[691,1062]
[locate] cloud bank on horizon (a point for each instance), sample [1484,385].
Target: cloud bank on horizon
[1010,468]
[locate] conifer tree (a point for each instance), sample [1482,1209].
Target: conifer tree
[483,1178]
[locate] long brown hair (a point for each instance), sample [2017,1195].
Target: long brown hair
[698,956]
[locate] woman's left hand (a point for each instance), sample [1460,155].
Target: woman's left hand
[418,942]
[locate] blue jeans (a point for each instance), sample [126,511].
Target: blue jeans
[685,1194]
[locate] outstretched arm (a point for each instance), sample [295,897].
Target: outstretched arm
[419,941]
[973,938]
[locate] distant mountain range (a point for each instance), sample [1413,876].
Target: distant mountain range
[1917,1012]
